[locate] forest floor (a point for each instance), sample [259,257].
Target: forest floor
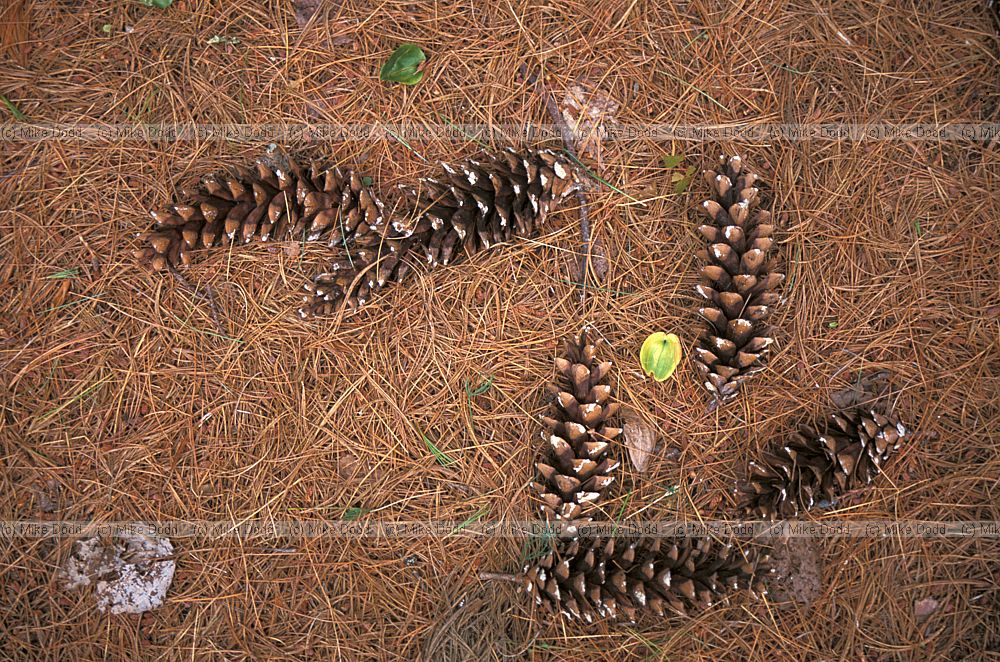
[122,401]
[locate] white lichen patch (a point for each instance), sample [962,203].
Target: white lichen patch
[130,575]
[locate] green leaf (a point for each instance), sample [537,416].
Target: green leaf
[404,65]
[354,513]
[672,160]
[14,110]
[683,181]
[159,4]
[367,181]
[833,325]
[107,28]
[916,223]
[443,459]
[660,354]
[223,39]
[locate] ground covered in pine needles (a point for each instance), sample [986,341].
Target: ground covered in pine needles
[122,401]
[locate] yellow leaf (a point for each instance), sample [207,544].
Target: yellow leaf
[660,354]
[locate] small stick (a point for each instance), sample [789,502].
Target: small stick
[569,142]
[207,296]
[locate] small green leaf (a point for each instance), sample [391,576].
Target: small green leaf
[672,160]
[920,232]
[223,39]
[443,459]
[14,110]
[833,325]
[681,183]
[107,28]
[367,181]
[159,4]
[660,354]
[404,65]
[65,273]
[354,513]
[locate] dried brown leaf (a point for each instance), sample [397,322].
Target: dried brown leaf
[640,439]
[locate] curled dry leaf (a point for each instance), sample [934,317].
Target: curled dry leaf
[640,439]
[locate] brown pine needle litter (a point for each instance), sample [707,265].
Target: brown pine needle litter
[123,400]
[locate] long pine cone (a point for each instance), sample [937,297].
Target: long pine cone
[472,207]
[278,200]
[576,468]
[737,283]
[820,463]
[619,578]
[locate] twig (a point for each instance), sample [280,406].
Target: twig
[497,577]
[207,296]
[569,142]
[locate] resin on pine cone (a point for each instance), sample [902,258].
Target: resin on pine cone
[817,465]
[471,208]
[277,200]
[576,467]
[737,283]
[618,578]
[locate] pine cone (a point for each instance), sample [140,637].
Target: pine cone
[473,207]
[815,466]
[277,201]
[576,469]
[617,577]
[737,284]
